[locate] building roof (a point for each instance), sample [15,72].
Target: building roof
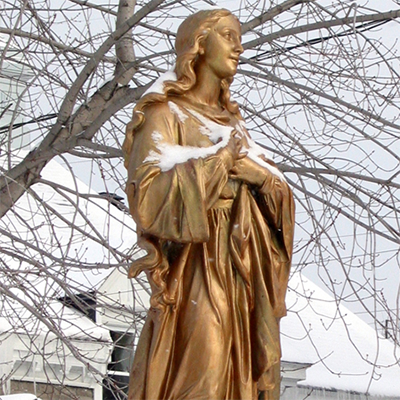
[57,251]
[19,319]
[78,245]
[345,352]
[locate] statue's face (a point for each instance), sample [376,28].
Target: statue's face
[223,47]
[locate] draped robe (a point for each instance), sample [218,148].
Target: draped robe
[218,259]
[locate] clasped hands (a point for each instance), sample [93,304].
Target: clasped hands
[244,168]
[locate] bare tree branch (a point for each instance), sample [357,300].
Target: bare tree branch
[321,25]
[24,175]
[124,47]
[272,13]
[53,43]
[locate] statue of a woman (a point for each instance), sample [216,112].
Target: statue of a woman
[216,218]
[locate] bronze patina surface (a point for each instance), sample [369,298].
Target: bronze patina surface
[216,218]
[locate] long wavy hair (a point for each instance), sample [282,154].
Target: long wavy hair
[191,33]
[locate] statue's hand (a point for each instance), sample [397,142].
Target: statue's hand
[247,170]
[235,144]
[233,150]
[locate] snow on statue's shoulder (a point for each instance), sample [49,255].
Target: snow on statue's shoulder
[213,130]
[168,155]
[158,86]
[175,109]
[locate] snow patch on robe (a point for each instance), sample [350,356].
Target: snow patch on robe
[171,154]
[214,131]
[158,86]
[177,111]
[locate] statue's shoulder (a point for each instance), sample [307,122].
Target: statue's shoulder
[171,110]
[159,108]
[156,116]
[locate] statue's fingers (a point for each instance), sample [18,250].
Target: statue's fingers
[242,155]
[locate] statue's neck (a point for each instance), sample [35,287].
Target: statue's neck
[207,89]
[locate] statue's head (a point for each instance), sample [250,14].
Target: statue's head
[195,29]
[190,39]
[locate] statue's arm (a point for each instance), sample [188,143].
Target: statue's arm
[273,195]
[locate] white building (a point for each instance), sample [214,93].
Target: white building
[14,78]
[44,339]
[33,355]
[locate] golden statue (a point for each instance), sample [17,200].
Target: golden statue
[216,218]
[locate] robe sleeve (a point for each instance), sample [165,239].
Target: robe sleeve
[172,203]
[275,200]
[272,212]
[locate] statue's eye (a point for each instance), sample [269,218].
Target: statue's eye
[228,35]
